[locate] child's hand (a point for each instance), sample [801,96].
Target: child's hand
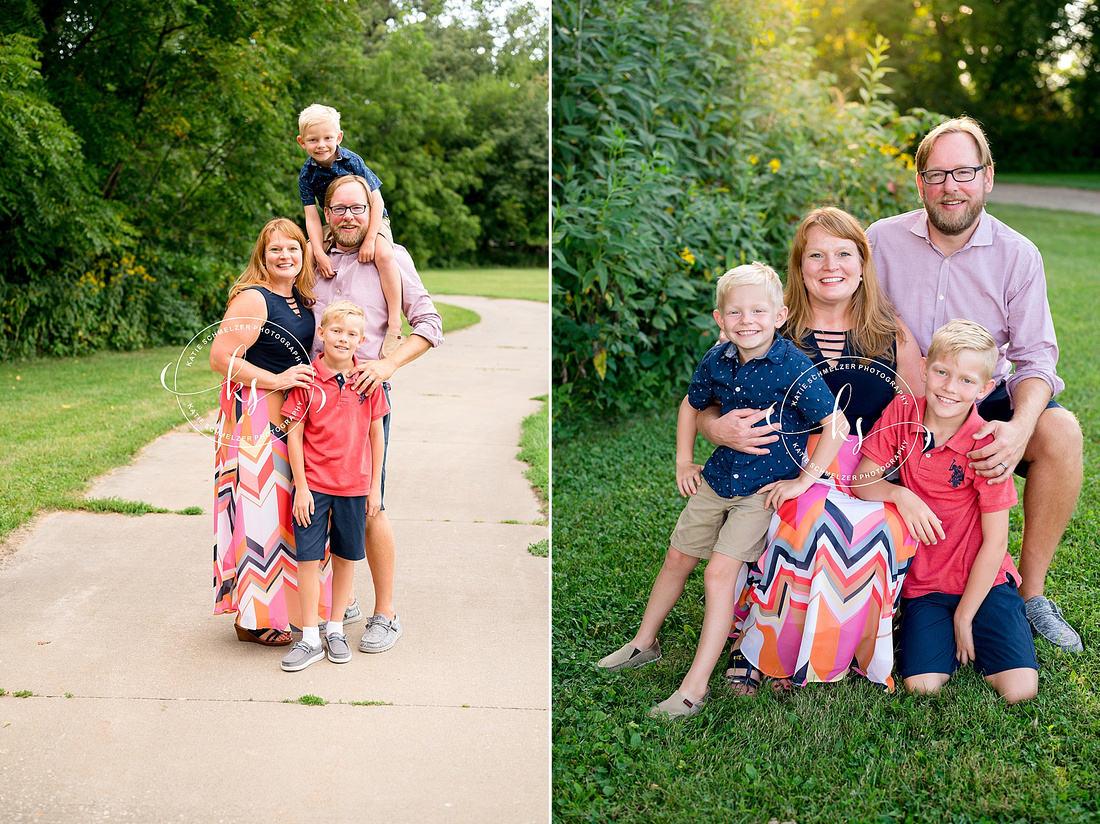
[919,519]
[323,263]
[688,474]
[374,502]
[366,250]
[779,492]
[303,505]
[964,639]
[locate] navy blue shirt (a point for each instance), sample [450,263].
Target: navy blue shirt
[286,337]
[314,178]
[785,378]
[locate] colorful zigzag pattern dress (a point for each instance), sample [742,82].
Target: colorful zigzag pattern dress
[255,566]
[823,595]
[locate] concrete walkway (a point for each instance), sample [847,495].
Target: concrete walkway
[146,708]
[1047,197]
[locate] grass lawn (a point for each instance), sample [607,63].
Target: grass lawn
[69,420]
[526,284]
[1074,181]
[843,752]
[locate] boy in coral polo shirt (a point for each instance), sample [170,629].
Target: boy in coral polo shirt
[335,441]
[960,596]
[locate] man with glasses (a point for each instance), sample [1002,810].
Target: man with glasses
[950,260]
[346,212]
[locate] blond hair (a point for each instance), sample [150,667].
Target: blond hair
[750,274]
[872,318]
[961,336]
[256,274]
[340,309]
[317,113]
[330,192]
[965,124]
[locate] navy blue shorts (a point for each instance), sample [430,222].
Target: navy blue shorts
[998,407]
[346,530]
[1002,635]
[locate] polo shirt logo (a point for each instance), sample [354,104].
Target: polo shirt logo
[957,475]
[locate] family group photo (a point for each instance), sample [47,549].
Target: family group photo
[825,424]
[275,532]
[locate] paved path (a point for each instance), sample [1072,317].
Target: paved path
[147,709]
[1047,197]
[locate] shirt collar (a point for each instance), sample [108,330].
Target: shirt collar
[983,234]
[324,373]
[311,162]
[962,441]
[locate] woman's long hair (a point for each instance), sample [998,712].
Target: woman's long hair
[872,318]
[256,274]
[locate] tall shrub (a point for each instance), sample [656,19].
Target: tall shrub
[690,137]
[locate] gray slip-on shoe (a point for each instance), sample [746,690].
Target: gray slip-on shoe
[676,706]
[353,613]
[301,655]
[1047,622]
[381,633]
[338,650]
[630,657]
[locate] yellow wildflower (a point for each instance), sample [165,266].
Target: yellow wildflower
[774,164]
[688,256]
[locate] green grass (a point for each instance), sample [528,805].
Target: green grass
[534,450]
[826,753]
[523,284]
[69,420]
[1073,181]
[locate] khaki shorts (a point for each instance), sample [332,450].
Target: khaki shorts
[383,231]
[734,527]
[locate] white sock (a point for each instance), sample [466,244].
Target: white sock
[312,636]
[335,626]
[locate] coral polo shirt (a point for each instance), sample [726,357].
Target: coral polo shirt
[337,423]
[943,479]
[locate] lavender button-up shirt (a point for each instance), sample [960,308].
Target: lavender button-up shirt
[996,280]
[360,283]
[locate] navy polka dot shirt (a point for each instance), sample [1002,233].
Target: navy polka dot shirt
[784,378]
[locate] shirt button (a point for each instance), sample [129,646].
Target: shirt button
[941,297]
[737,389]
[736,476]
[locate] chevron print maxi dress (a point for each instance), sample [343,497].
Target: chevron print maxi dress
[822,598]
[255,567]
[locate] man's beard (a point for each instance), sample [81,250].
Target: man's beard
[350,238]
[954,223]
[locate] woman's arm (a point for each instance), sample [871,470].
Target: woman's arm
[908,361]
[239,329]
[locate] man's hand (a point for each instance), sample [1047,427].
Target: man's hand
[366,249]
[371,375]
[735,429]
[999,457]
[921,521]
[688,474]
[323,264]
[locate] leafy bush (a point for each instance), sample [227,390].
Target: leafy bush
[691,137]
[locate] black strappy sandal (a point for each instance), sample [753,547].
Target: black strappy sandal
[745,678]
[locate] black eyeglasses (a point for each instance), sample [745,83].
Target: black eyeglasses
[963,174]
[358,210]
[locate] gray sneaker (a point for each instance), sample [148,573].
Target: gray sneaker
[338,650]
[301,655]
[1046,621]
[381,634]
[353,613]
